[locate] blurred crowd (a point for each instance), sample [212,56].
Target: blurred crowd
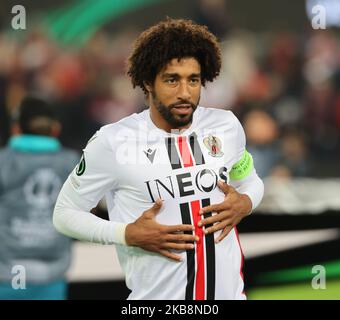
[284,87]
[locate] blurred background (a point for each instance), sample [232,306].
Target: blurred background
[280,76]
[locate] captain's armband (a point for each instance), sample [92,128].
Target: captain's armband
[242,168]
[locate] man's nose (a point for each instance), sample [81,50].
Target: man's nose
[184,92]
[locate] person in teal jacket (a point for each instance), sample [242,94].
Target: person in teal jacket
[34,257]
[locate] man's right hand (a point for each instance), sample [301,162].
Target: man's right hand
[147,234]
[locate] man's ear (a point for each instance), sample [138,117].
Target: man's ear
[147,86]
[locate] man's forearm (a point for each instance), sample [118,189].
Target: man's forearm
[74,222]
[252,186]
[71,217]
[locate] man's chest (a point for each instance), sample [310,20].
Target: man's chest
[174,167]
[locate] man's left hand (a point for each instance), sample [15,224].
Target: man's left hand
[229,213]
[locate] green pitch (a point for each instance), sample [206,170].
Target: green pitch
[303,291]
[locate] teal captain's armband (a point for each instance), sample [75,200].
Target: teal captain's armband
[242,168]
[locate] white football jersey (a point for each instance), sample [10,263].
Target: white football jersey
[132,163]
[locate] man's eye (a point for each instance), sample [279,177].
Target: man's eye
[170,81]
[194,80]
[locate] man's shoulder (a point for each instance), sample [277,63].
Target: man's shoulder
[129,123]
[217,116]
[114,133]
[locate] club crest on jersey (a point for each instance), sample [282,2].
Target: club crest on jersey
[214,145]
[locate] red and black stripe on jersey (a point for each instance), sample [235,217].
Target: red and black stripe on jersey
[200,280]
[189,152]
[201,261]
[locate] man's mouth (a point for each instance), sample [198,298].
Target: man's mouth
[184,105]
[183,109]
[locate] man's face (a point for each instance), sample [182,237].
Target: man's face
[176,91]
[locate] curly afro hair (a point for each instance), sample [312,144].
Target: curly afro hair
[169,39]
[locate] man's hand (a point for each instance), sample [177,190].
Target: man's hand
[146,233]
[229,213]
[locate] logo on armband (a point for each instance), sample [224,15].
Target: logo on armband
[243,167]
